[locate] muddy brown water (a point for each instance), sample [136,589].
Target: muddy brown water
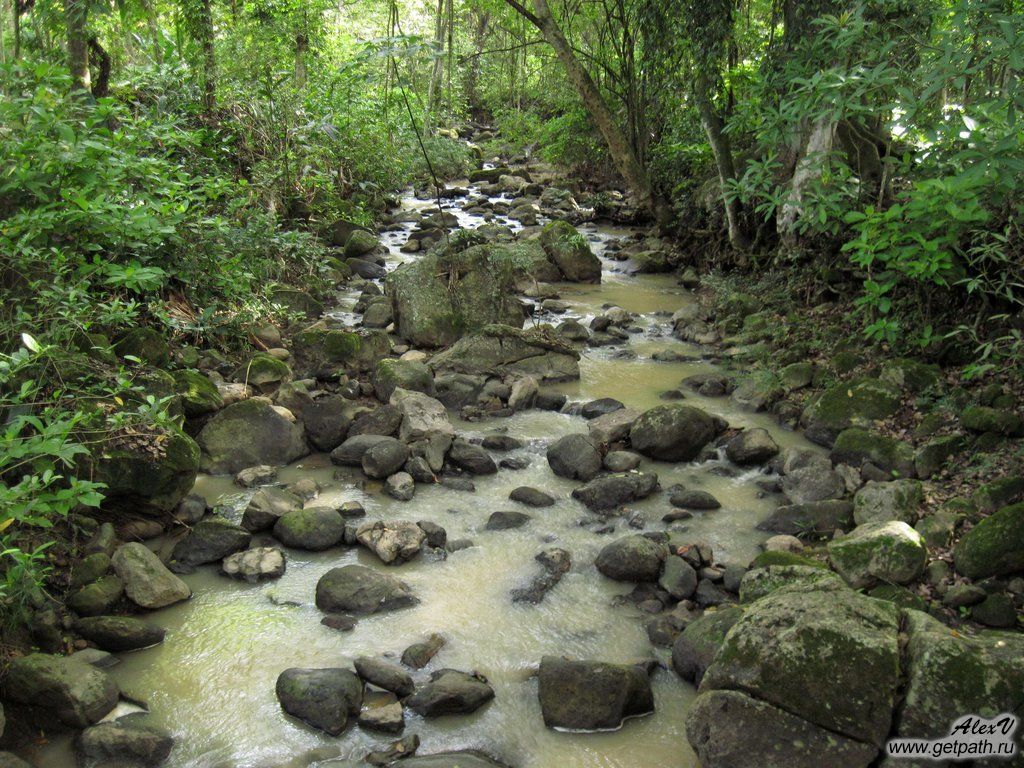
[211,682]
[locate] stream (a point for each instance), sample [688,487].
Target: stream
[211,682]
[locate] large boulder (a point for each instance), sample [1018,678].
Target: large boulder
[574,456]
[994,547]
[322,352]
[890,552]
[673,432]
[751,447]
[248,434]
[812,519]
[311,528]
[151,478]
[632,558]
[610,491]
[127,741]
[119,633]
[695,648]
[613,427]
[450,692]
[323,698]
[210,541]
[199,395]
[393,541]
[350,453]
[361,590]
[147,581]
[385,458]
[895,500]
[423,417]
[847,404]
[61,690]
[830,657]
[592,695]
[471,458]
[856,447]
[410,375]
[569,250]
[498,350]
[442,296]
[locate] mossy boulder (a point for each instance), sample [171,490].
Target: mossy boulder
[673,432]
[695,648]
[146,344]
[248,434]
[781,558]
[497,350]
[150,478]
[758,582]
[449,293]
[847,404]
[199,395]
[981,419]
[650,262]
[828,656]
[59,690]
[890,552]
[856,446]
[297,301]
[895,500]
[998,493]
[568,250]
[994,547]
[933,455]
[360,243]
[263,372]
[323,352]
[911,375]
[591,695]
[901,597]
[394,374]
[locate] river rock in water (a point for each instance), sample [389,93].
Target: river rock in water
[500,350]
[555,564]
[255,564]
[674,432]
[311,528]
[267,506]
[385,458]
[210,541]
[385,674]
[694,650]
[147,581]
[450,692]
[361,590]
[632,558]
[592,695]
[393,541]
[575,456]
[119,633]
[611,491]
[323,698]
[127,741]
[60,690]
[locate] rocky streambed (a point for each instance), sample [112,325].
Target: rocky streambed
[488,541]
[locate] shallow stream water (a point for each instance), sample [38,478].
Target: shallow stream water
[211,682]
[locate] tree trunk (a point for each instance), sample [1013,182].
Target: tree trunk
[209,59]
[154,31]
[721,148]
[619,147]
[437,71]
[808,170]
[301,46]
[75,17]
[98,54]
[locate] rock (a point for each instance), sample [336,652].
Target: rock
[210,541]
[574,456]
[729,729]
[857,446]
[600,407]
[360,243]
[524,393]
[931,457]
[97,598]
[501,443]
[981,419]
[881,502]
[146,344]
[393,541]
[119,633]
[437,537]
[996,611]
[847,404]
[531,497]
[673,432]
[503,521]
[361,590]
[384,458]
[819,518]
[350,453]
[127,741]
[471,458]
[423,417]
[297,301]
[963,596]
[762,581]
[592,695]
[568,250]
[368,270]
[555,563]
[694,499]
[401,374]
[994,547]
[152,482]
[199,395]
[327,420]
[678,578]
[751,447]
[450,692]
[632,558]
[249,433]
[401,486]
[384,421]
[59,689]
[611,491]
[621,461]
[147,582]
[323,698]
[788,642]
[613,427]
[418,655]
[891,552]
[445,294]
[90,568]
[266,507]
[813,483]
[384,674]
[695,648]
[263,372]
[403,750]
[255,564]
[998,493]
[382,712]
[255,476]
[502,350]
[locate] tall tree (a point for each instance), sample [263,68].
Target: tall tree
[76,16]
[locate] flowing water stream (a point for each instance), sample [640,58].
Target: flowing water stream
[211,682]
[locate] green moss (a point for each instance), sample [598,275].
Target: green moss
[980,419]
[994,547]
[137,479]
[198,394]
[911,375]
[766,559]
[854,446]
[146,344]
[898,596]
[854,402]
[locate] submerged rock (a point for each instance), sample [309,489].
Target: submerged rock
[450,692]
[361,590]
[592,695]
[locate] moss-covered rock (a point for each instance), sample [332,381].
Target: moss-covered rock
[895,500]
[323,352]
[855,446]
[263,372]
[850,403]
[150,478]
[901,597]
[890,552]
[981,419]
[360,243]
[911,375]
[780,558]
[250,433]
[394,374]
[568,250]
[60,690]
[500,349]
[994,547]
[998,493]
[673,432]
[695,648]
[199,395]
[146,344]
[448,293]
[297,301]
[761,581]
[933,455]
